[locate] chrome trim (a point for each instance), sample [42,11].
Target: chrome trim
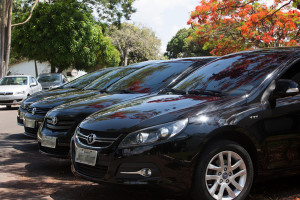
[143,172]
[79,136]
[58,127]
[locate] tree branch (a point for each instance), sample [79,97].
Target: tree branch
[270,15]
[34,5]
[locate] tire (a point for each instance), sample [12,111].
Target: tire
[211,177]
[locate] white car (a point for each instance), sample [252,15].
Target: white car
[14,89]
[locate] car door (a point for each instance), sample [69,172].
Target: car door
[35,86]
[280,130]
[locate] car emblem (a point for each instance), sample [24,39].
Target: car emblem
[54,120]
[33,111]
[91,138]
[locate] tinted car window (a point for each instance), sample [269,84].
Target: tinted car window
[13,81]
[151,78]
[49,78]
[232,75]
[86,79]
[109,78]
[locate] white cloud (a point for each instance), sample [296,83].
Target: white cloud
[165,17]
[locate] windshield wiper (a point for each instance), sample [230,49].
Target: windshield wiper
[123,92]
[176,91]
[207,92]
[103,91]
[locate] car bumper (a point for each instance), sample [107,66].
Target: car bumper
[61,148]
[12,99]
[120,167]
[32,124]
[20,116]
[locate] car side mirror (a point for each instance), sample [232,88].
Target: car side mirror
[285,88]
[33,84]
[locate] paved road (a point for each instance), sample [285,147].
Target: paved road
[26,174]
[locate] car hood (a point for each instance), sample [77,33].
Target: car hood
[150,111]
[84,107]
[53,101]
[44,94]
[13,88]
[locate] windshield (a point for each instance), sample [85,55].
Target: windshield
[49,78]
[13,81]
[86,79]
[104,81]
[151,78]
[232,75]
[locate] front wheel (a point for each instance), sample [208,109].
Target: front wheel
[224,172]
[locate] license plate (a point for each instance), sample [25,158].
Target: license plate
[29,123]
[86,156]
[48,141]
[21,115]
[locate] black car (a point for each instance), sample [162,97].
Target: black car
[230,120]
[51,80]
[75,85]
[72,86]
[60,123]
[36,111]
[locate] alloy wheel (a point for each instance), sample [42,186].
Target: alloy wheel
[225,175]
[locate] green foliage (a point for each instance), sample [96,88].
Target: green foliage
[21,9]
[296,3]
[136,44]
[179,46]
[108,55]
[112,11]
[64,34]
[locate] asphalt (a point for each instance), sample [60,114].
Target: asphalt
[27,174]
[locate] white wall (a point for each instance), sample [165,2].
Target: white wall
[27,68]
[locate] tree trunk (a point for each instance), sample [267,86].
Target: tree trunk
[60,70]
[36,69]
[52,69]
[125,60]
[5,35]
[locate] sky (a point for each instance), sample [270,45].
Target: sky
[164,17]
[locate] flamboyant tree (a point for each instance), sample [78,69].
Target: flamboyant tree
[235,25]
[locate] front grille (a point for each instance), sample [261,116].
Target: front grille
[6,93]
[100,141]
[6,101]
[31,131]
[59,150]
[92,171]
[60,125]
[38,110]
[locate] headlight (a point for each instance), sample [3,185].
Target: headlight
[154,134]
[21,92]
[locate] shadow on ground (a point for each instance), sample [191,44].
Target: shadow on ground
[31,175]
[12,108]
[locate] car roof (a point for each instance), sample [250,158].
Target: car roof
[18,76]
[143,64]
[291,49]
[50,74]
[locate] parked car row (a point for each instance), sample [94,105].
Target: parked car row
[16,88]
[50,80]
[208,125]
